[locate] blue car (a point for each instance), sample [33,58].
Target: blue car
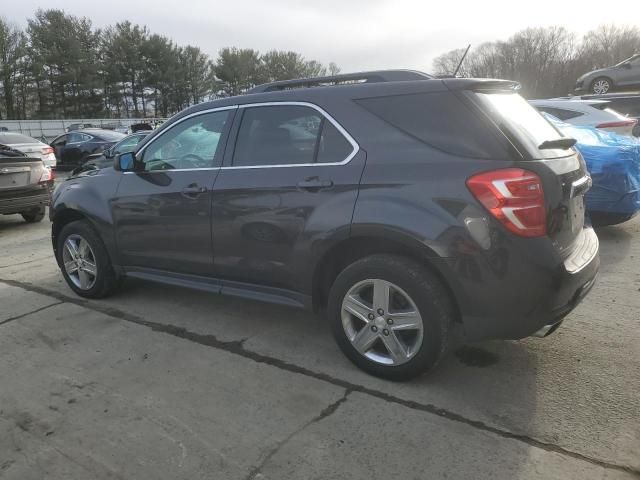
[614,164]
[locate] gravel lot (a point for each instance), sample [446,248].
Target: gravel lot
[165,383]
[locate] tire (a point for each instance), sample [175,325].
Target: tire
[35,215]
[105,281]
[421,350]
[601,85]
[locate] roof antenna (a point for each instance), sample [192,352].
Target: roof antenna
[462,60]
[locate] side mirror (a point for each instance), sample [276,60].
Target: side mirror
[124,162]
[626,65]
[108,153]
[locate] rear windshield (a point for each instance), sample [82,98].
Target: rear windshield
[516,118]
[109,136]
[13,138]
[441,120]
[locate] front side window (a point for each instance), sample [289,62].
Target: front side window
[288,135]
[74,137]
[192,143]
[560,113]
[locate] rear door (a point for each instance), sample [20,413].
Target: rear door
[291,180]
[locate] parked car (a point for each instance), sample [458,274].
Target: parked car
[79,126]
[105,159]
[627,104]
[414,211]
[623,75]
[614,164]
[25,184]
[30,146]
[74,148]
[592,113]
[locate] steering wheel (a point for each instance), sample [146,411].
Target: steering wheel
[191,160]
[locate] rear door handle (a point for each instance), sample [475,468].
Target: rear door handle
[314,183]
[193,190]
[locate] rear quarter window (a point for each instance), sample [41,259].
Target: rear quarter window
[439,119]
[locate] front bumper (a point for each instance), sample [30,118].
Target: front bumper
[579,86]
[24,199]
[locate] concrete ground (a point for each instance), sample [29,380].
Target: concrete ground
[164,383]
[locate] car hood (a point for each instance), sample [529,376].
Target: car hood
[595,72]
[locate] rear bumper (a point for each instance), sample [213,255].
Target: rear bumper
[24,199]
[527,296]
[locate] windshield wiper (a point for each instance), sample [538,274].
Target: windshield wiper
[562,143]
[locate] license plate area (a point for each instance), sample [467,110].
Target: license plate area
[14,177]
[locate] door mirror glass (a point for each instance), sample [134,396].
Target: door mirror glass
[108,153]
[124,162]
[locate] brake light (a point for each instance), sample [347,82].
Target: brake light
[46,151]
[515,197]
[47,175]
[621,123]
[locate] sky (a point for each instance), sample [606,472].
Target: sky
[355,34]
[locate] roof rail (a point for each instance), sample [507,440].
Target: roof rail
[343,79]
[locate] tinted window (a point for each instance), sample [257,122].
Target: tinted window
[277,135]
[74,137]
[560,113]
[627,106]
[192,143]
[11,138]
[440,120]
[333,146]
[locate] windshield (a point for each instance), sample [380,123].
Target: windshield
[516,118]
[627,60]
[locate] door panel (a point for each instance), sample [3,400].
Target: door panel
[267,220]
[162,222]
[162,211]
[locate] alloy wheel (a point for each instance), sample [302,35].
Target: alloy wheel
[79,262]
[601,86]
[382,322]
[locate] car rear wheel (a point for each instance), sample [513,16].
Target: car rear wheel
[390,316]
[84,261]
[35,215]
[601,85]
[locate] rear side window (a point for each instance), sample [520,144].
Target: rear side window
[288,135]
[630,106]
[560,113]
[440,120]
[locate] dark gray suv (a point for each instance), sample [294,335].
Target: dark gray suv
[415,211]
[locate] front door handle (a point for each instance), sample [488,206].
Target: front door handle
[193,190]
[314,183]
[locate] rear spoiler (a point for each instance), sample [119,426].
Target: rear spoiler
[481,84]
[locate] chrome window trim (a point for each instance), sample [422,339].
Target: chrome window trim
[129,172]
[350,139]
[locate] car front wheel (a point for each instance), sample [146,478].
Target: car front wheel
[84,261]
[601,85]
[390,316]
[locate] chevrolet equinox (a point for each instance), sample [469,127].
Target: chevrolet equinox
[413,210]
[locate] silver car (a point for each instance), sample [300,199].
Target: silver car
[29,146]
[623,75]
[593,113]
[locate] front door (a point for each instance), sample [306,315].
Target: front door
[291,181]
[629,75]
[162,209]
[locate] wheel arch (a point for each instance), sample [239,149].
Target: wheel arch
[351,249]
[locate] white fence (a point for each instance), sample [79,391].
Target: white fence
[52,128]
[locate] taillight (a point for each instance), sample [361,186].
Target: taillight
[47,175]
[515,197]
[621,123]
[46,151]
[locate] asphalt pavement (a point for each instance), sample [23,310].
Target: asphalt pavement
[160,382]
